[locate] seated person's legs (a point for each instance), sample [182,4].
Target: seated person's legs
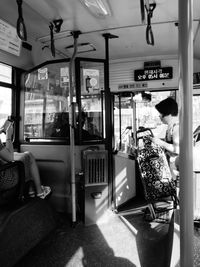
[32,172]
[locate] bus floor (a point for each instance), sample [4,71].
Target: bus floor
[116,240]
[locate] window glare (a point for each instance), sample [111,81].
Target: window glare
[5,73]
[5,104]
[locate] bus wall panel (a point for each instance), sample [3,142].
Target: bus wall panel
[54,162]
[54,166]
[125,181]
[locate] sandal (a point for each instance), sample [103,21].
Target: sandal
[46,190]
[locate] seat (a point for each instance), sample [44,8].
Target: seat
[12,182]
[24,222]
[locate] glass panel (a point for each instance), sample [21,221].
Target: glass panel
[133,110]
[196,111]
[47,102]
[5,73]
[92,83]
[117,122]
[5,106]
[123,121]
[91,118]
[126,121]
[148,117]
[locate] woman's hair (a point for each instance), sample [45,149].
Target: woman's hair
[167,106]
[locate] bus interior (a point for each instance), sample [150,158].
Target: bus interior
[79,79]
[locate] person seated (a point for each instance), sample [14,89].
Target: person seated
[87,133]
[31,169]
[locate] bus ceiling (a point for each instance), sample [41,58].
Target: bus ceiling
[144,28]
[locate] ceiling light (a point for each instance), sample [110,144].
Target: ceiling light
[98,8]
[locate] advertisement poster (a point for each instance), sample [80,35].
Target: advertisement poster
[64,77]
[90,81]
[42,74]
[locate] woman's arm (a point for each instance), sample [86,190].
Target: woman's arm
[7,151]
[173,148]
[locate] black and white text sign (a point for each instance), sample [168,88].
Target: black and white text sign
[153,74]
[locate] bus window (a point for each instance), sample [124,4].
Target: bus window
[5,94]
[5,104]
[148,117]
[91,117]
[90,122]
[47,102]
[142,114]
[5,73]
[46,112]
[196,111]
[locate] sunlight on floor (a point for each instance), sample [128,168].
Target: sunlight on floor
[112,233]
[176,246]
[77,258]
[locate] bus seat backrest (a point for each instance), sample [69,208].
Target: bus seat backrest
[12,182]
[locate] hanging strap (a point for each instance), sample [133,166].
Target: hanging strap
[149,32]
[142,10]
[21,28]
[52,39]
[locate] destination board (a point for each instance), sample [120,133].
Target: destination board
[153,74]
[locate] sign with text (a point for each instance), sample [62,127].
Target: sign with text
[64,76]
[131,86]
[91,81]
[9,41]
[153,74]
[42,74]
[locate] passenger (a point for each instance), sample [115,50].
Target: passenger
[86,135]
[59,127]
[168,110]
[31,170]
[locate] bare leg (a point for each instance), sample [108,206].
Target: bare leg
[31,168]
[34,173]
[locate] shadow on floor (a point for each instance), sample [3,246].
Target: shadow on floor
[79,246]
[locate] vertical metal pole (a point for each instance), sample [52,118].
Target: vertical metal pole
[108,120]
[186,140]
[108,117]
[71,118]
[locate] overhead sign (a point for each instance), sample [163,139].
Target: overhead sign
[153,74]
[131,86]
[9,40]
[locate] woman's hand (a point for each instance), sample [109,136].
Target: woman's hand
[157,141]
